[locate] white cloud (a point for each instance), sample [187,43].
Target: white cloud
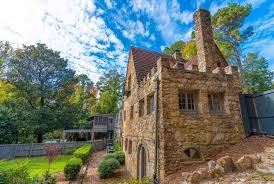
[166,14]
[109,4]
[71,27]
[214,7]
[255,3]
[199,3]
[131,29]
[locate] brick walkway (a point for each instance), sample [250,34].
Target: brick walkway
[91,175]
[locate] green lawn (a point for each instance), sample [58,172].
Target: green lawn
[37,165]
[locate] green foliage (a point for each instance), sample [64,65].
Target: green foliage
[178,45]
[189,50]
[48,178]
[107,167]
[257,75]
[120,156]
[145,180]
[45,83]
[229,33]
[110,87]
[117,145]
[72,168]
[69,151]
[19,175]
[83,152]
[34,168]
[108,156]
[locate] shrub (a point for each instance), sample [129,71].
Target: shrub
[107,167]
[48,178]
[83,152]
[145,180]
[108,156]
[72,168]
[69,151]
[18,175]
[120,156]
[117,145]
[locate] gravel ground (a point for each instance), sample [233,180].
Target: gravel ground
[250,145]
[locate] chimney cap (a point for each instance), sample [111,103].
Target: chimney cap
[201,10]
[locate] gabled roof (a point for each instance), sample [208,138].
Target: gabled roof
[144,61]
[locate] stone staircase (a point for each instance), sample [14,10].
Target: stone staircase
[267,162]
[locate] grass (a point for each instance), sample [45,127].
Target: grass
[37,165]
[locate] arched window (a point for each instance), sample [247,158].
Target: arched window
[130,147]
[192,153]
[126,142]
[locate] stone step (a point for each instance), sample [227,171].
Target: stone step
[265,168]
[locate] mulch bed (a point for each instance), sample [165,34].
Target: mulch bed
[250,145]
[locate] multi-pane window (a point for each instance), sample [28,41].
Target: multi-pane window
[141,107]
[150,104]
[131,112]
[187,101]
[215,102]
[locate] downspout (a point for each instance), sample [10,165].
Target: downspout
[156,133]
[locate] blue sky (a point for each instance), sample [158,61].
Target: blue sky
[96,35]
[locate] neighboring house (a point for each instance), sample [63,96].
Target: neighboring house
[118,125]
[179,112]
[102,127]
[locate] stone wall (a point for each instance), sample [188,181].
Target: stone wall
[202,131]
[206,132]
[139,130]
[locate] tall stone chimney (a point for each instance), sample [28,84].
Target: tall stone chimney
[206,47]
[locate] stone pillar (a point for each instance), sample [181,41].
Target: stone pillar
[204,41]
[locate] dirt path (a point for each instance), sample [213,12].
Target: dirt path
[91,175]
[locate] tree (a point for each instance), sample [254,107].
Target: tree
[5,53]
[229,34]
[44,81]
[84,98]
[189,50]
[110,88]
[178,45]
[257,75]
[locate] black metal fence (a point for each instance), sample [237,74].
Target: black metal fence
[258,112]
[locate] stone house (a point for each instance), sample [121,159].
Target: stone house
[178,112]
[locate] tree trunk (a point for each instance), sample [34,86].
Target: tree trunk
[39,138]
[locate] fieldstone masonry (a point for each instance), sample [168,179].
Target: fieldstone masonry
[154,82]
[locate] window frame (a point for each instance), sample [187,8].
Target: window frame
[215,105]
[186,95]
[125,115]
[131,112]
[150,104]
[129,151]
[141,108]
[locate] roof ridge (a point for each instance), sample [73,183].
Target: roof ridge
[148,50]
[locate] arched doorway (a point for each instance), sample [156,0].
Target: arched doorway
[141,162]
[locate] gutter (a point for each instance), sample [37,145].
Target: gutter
[155,176]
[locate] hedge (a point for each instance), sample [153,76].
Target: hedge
[118,155]
[72,168]
[107,167]
[83,152]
